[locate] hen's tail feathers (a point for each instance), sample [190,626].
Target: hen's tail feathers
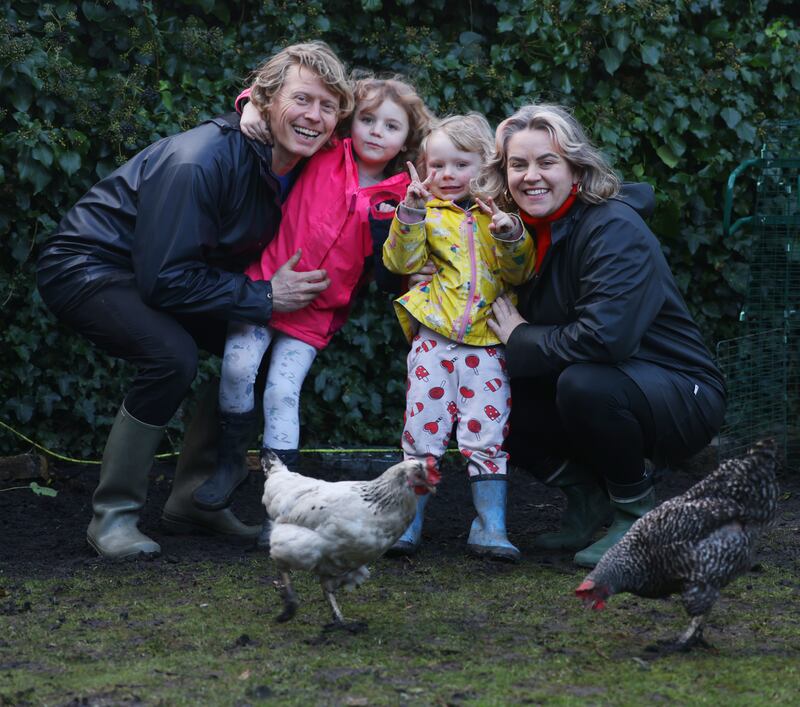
[271,463]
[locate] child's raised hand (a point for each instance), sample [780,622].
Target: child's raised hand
[253,124]
[503,224]
[417,194]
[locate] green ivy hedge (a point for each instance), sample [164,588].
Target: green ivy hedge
[675,93]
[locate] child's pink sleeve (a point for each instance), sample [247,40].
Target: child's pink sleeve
[238,104]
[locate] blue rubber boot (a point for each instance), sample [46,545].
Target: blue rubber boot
[410,540]
[487,536]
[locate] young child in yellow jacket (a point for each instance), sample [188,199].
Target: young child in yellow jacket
[456,366]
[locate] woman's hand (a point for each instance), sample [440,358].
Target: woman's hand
[506,318]
[424,274]
[253,125]
[417,194]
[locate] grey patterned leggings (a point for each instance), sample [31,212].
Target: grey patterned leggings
[289,364]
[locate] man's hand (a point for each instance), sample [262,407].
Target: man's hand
[253,125]
[506,318]
[294,290]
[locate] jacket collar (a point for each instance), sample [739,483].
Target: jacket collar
[447,204]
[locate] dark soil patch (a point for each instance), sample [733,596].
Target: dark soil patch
[46,536]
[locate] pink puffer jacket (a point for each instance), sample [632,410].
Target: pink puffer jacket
[327,215]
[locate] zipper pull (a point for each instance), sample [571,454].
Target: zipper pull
[352,208]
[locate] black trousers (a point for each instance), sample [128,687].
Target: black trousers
[595,414]
[164,347]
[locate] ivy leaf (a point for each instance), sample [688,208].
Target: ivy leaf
[468,38]
[43,490]
[94,12]
[667,156]
[506,24]
[731,116]
[70,162]
[746,132]
[651,53]
[611,57]
[31,171]
[131,6]
[621,40]
[42,153]
[21,97]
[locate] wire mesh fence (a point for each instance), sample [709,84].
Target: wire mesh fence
[762,366]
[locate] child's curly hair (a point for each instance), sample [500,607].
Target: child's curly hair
[370,91]
[469,133]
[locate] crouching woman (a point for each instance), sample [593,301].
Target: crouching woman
[608,370]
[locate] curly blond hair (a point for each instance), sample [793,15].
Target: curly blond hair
[469,133]
[317,56]
[598,181]
[371,91]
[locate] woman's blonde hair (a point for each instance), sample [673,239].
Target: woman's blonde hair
[317,56]
[370,92]
[598,181]
[469,133]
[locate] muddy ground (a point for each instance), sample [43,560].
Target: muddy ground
[45,536]
[194,626]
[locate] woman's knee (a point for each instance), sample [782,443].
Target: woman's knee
[580,386]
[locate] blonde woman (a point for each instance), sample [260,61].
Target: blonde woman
[608,369]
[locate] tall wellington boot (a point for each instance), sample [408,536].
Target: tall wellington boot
[235,434]
[588,509]
[487,535]
[408,543]
[196,463]
[630,502]
[121,493]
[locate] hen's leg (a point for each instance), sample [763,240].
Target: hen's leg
[338,622]
[337,613]
[693,636]
[290,600]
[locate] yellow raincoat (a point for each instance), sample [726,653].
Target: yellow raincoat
[473,268]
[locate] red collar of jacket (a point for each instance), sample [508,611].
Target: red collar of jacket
[541,226]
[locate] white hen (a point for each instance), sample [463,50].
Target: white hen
[334,529]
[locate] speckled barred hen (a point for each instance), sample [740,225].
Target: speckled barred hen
[693,544]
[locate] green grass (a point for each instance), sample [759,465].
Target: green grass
[441,631]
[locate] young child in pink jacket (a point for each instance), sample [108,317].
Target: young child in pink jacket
[326,220]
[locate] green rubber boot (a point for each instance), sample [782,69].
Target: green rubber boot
[121,493]
[197,463]
[630,502]
[588,509]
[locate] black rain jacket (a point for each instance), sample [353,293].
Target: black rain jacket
[181,220]
[605,294]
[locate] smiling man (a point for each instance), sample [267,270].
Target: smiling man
[148,266]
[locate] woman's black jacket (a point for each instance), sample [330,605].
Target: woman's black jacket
[605,294]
